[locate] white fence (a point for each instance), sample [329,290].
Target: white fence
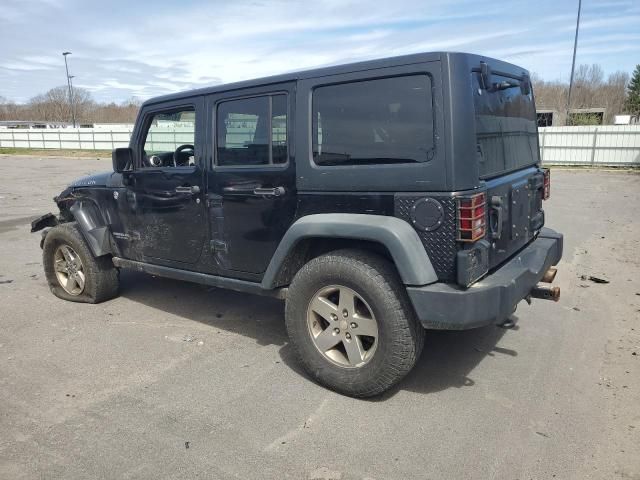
[593,145]
[617,145]
[68,138]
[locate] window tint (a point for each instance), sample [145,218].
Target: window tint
[279,128]
[252,131]
[373,122]
[170,138]
[506,126]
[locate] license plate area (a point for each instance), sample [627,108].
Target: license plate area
[520,207]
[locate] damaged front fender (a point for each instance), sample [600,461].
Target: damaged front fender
[93,227]
[89,219]
[45,221]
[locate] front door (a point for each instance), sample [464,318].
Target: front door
[165,191]
[252,183]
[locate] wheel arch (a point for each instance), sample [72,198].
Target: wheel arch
[93,227]
[316,234]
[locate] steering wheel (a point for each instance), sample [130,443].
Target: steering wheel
[179,150]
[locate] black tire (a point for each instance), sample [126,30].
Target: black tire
[400,336]
[100,276]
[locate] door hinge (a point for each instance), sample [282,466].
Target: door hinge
[219,246]
[214,201]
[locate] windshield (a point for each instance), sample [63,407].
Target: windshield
[506,126]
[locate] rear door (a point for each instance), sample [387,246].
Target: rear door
[252,191]
[508,156]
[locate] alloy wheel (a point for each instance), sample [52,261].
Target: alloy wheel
[69,270]
[342,326]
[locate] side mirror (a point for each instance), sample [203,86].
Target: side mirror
[122,159]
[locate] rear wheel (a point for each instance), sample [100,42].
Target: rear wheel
[73,273]
[351,323]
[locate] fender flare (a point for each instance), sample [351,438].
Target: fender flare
[400,239]
[93,227]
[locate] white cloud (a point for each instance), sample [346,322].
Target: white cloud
[128,48]
[26,67]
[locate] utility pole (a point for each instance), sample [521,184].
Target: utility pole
[66,66]
[573,62]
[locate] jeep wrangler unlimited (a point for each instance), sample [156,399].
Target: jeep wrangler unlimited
[378,199]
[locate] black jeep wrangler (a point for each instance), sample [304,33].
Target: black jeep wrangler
[378,199]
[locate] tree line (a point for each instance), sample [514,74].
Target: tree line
[54,106]
[617,93]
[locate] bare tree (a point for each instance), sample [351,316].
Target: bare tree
[8,109]
[51,106]
[125,112]
[613,93]
[54,105]
[590,90]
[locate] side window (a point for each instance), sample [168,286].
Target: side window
[388,120]
[279,128]
[170,138]
[252,131]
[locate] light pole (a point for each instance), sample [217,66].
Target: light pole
[573,62]
[66,66]
[73,103]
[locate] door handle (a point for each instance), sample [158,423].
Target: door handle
[240,188]
[195,189]
[269,192]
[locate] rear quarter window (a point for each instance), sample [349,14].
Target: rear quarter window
[380,121]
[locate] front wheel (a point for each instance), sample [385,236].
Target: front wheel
[73,273]
[351,323]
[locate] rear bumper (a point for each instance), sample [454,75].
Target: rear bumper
[492,299]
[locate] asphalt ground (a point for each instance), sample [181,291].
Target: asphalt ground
[177,380]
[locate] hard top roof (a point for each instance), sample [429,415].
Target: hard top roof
[293,76]
[334,70]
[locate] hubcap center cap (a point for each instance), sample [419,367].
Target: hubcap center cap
[344,324]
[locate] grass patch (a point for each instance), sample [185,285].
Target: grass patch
[48,152]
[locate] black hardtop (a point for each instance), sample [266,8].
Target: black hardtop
[454,164]
[471,60]
[300,75]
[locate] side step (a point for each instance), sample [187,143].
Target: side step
[198,277]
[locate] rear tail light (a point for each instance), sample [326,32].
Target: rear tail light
[472,217]
[546,189]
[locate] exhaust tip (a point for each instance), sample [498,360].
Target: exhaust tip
[546,293]
[549,275]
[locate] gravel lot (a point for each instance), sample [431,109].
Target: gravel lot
[176,380]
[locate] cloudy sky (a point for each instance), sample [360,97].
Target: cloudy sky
[146,48]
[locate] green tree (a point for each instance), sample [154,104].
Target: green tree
[633,93]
